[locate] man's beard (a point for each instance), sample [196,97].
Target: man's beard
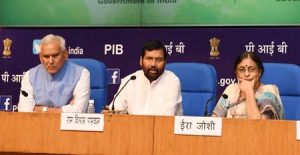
[153,76]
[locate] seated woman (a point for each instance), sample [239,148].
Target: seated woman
[249,98]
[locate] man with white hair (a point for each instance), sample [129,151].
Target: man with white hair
[55,85]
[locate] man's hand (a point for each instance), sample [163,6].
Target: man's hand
[49,109]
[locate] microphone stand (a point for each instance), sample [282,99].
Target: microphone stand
[225,96]
[133,77]
[206,106]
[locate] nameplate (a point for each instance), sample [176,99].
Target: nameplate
[82,122]
[298,130]
[208,126]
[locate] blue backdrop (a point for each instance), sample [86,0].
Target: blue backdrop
[119,49]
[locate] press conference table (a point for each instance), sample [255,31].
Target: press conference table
[127,134]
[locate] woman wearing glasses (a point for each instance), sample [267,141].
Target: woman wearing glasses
[249,98]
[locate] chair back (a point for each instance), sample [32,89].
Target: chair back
[287,78]
[198,86]
[98,77]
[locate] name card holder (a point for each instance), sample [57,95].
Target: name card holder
[82,122]
[298,130]
[208,126]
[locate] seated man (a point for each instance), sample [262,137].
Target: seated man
[55,85]
[152,90]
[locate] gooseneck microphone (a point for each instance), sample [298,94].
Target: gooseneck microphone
[206,105]
[24,93]
[225,96]
[133,77]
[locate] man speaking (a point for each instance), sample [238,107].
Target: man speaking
[152,90]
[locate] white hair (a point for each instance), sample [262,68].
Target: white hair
[51,37]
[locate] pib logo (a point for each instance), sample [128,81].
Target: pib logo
[114,49]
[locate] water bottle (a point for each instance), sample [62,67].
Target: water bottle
[91,107]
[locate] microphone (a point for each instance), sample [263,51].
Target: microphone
[225,96]
[206,105]
[133,77]
[24,93]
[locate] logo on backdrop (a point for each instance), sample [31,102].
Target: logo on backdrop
[113,75]
[114,49]
[214,48]
[6,50]
[36,46]
[6,102]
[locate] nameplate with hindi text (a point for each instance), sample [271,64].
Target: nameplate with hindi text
[82,122]
[207,126]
